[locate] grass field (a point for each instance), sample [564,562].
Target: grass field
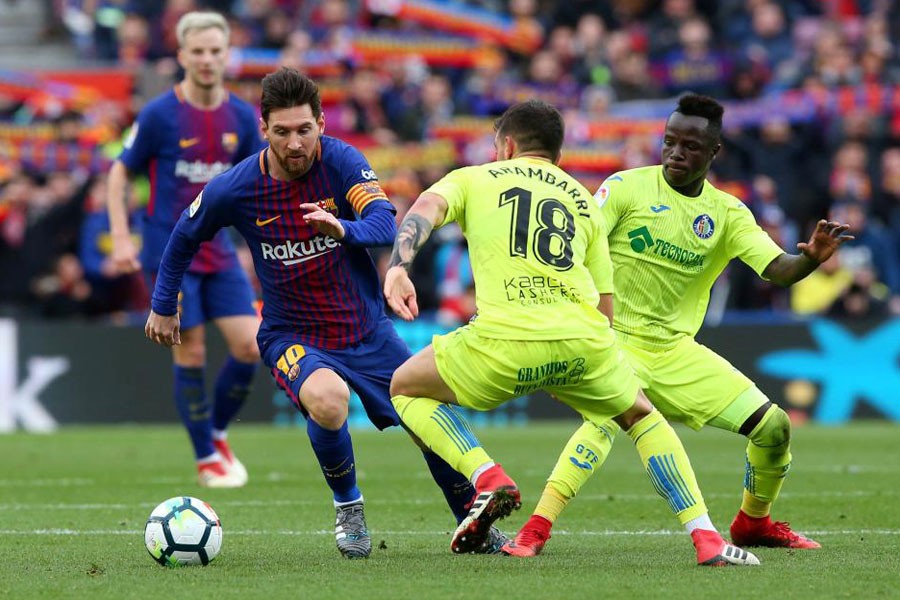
[73,506]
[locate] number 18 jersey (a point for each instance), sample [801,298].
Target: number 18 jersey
[540,258]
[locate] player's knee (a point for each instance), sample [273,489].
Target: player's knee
[640,409]
[775,430]
[328,408]
[401,385]
[246,352]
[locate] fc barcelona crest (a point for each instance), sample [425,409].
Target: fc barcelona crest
[229,141]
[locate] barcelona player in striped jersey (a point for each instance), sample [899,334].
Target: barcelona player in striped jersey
[309,206]
[181,140]
[671,233]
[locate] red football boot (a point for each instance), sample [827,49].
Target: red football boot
[750,531]
[497,497]
[530,540]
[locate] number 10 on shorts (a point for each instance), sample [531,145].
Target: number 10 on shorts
[287,363]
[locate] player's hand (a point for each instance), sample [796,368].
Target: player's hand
[323,221]
[165,331]
[124,254]
[401,293]
[827,237]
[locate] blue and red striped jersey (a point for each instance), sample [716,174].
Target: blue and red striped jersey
[181,148]
[318,291]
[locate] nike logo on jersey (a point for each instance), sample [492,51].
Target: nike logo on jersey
[188,142]
[659,209]
[297,261]
[264,222]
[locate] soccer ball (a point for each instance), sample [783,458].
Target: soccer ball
[183,531]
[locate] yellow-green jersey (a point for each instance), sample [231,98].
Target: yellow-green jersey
[668,249]
[537,245]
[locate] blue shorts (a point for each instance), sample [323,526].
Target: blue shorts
[367,368]
[209,296]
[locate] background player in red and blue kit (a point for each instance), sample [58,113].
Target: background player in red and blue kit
[182,139]
[309,206]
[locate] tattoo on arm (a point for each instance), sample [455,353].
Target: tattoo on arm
[414,232]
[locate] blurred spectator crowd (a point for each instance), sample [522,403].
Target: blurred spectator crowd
[812,125]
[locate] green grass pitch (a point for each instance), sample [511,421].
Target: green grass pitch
[73,507]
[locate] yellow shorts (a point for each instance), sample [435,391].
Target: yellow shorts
[590,375]
[688,383]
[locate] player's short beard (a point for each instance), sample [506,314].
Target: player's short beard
[296,171]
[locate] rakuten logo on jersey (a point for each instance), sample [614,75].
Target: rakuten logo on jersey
[199,171]
[291,253]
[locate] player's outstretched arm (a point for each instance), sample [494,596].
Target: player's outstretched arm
[788,269]
[399,291]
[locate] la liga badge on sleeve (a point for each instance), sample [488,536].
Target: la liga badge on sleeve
[195,205]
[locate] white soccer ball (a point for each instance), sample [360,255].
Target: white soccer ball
[183,531]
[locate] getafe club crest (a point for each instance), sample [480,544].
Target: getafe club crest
[229,141]
[704,227]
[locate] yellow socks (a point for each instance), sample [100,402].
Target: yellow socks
[584,453]
[668,466]
[443,430]
[768,462]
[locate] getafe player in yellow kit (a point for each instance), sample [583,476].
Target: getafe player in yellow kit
[671,233]
[541,265]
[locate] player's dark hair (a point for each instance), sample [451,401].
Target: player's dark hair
[535,125]
[287,88]
[696,105]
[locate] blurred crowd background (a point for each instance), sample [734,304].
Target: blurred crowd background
[812,124]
